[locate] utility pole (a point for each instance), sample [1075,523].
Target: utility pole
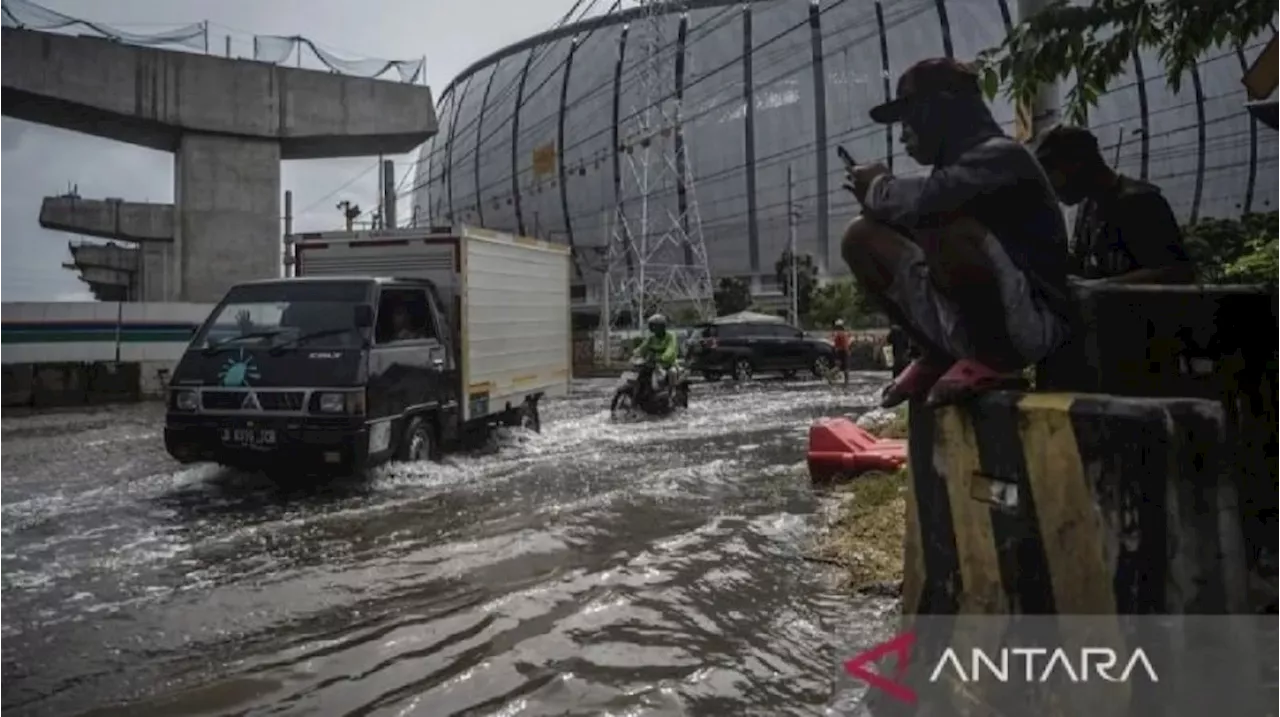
[605,314]
[349,212]
[288,232]
[382,195]
[388,194]
[791,230]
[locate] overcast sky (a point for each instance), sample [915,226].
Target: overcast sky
[40,161]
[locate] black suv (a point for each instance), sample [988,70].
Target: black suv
[747,348]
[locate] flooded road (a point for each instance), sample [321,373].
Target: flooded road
[598,568]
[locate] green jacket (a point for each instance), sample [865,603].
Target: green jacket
[665,349]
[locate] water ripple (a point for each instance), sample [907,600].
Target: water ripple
[597,568]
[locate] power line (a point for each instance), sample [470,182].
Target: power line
[875,128]
[906,15]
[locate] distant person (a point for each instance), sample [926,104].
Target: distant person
[969,259]
[840,339]
[660,347]
[402,328]
[1125,231]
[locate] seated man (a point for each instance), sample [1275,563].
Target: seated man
[661,347]
[1125,233]
[969,259]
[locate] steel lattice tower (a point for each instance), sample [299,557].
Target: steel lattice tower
[657,258]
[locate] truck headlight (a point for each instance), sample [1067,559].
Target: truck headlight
[332,402]
[186,400]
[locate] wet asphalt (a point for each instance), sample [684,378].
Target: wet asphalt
[600,567]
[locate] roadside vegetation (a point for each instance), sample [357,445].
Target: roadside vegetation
[865,535]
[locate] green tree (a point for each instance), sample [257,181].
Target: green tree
[841,299]
[1235,251]
[806,279]
[686,316]
[836,300]
[733,294]
[1091,44]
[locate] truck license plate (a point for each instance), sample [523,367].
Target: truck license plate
[249,436]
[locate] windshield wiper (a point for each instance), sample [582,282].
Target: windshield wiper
[293,342]
[212,349]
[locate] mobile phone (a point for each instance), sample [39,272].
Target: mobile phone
[844,154]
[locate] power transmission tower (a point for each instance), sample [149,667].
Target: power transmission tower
[657,258]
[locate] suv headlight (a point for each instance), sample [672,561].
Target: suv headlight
[186,400]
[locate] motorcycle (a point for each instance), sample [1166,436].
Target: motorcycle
[636,391]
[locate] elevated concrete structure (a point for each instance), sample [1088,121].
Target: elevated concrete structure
[110,270]
[109,218]
[150,225]
[229,122]
[153,98]
[105,256]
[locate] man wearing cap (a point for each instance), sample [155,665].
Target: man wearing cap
[1125,233]
[970,258]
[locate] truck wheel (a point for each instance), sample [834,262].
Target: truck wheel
[418,443]
[530,419]
[742,369]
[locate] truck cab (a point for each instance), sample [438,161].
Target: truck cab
[321,373]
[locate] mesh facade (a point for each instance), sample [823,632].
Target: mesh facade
[531,137]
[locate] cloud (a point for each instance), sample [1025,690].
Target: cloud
[11,135]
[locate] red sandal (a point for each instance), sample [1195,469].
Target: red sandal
[915,380]
[968,378]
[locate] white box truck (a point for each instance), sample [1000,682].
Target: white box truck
[391,344]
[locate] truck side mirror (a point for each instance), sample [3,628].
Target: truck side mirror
[363,316]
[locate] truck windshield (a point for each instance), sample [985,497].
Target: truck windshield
[261,315]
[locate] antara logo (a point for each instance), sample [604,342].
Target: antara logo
[1030,664]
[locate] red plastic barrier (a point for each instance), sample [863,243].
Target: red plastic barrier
[838,447]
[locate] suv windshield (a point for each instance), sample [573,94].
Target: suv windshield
[260,315]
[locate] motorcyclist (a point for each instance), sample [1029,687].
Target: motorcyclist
[660,347]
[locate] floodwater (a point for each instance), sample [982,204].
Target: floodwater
[653,567]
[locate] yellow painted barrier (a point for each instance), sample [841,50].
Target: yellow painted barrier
[1074,504]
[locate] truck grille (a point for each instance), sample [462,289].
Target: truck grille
[268,401]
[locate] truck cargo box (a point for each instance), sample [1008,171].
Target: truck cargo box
[509,299]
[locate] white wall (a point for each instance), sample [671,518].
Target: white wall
[26,322]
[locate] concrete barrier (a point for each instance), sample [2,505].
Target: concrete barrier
[109,382]
[1083,504]
[59,384]
[18,384]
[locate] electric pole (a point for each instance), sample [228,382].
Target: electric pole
[349,212]
[791,231]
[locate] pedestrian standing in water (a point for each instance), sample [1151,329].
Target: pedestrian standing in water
[840,339]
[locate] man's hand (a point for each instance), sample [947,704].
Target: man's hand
[858,178]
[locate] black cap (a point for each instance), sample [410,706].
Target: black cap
[1064,140]
[928,77]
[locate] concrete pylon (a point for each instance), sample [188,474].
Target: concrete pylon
[228,122]
[150,225]
[109,218]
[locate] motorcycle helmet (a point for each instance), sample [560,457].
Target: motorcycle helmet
[658,323]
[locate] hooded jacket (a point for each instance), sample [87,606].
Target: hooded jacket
[982,174]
